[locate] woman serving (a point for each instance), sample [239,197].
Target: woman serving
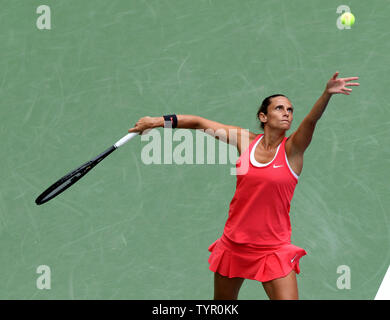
[256,241]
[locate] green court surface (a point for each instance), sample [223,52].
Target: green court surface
[129,230]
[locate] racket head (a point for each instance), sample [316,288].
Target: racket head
[71,178]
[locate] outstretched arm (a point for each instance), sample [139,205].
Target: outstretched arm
[301,138]
[233,135]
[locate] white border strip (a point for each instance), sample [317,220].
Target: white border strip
[384,289]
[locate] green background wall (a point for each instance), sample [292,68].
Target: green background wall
[135,231]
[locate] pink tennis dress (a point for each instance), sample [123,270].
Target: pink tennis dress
[256,241]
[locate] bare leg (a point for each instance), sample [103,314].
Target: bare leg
[285,288]
[226,288]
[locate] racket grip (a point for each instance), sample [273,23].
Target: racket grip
[125,139]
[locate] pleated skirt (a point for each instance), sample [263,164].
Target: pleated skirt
[261,263]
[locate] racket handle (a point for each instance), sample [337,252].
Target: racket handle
[125,139]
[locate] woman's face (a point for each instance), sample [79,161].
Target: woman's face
[279,113]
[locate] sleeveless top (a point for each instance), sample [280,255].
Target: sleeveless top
[259,213]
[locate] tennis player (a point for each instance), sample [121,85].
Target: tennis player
[256,241]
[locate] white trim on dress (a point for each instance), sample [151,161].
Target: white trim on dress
[252,156]
[258,164]
[288,165]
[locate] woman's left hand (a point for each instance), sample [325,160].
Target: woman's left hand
[340,85]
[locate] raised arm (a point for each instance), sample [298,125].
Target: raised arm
[301,138]
[230,134]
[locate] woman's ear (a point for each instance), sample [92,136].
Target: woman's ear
[263,117]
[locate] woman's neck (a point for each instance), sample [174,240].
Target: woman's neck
[272,138]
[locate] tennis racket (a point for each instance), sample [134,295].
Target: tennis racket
[72,177]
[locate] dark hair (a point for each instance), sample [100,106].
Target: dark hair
[264,106]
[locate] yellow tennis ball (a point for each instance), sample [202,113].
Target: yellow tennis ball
[347,19]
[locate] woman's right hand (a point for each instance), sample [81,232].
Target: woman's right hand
[145,123]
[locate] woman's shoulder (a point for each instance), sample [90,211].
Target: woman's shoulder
[253,136]
[246,141]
